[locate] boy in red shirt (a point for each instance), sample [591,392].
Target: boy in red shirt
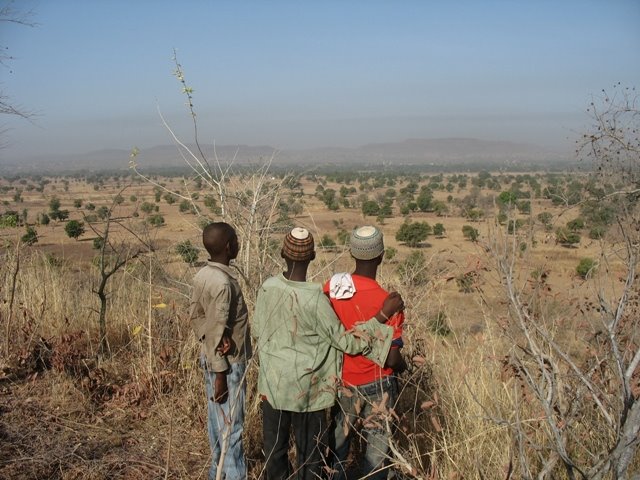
[355,298]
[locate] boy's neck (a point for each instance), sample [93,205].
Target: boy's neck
[223,259]
[296,272]
[368,270]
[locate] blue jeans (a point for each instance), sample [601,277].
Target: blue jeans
[225,424]
[358,408]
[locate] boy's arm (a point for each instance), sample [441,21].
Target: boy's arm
[395,360]
[372,338]
[215,330]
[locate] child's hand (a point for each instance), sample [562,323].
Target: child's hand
[221,390]
[224,346]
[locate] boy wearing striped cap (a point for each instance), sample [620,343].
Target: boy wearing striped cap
[368,387]
[300,343]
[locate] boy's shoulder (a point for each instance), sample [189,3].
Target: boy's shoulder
[210,273]
[280,283]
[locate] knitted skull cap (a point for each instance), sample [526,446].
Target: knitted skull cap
[298,245]
[366,243]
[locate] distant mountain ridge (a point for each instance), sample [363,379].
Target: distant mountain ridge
[413,151]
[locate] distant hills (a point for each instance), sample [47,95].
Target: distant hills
[439,151]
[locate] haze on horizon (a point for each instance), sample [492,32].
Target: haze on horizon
[298,75]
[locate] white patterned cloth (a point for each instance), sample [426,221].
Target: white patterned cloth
[341,286]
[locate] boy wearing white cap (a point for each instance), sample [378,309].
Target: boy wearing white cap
[369,388]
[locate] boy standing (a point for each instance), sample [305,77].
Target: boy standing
[355,297]
[220,321]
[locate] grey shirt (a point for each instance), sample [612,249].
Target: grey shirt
[218,307]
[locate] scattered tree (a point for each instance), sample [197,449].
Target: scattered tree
[566,237]
[43,219]
[370,208]
[413,233]
[470,233]
[439,230]
[74,229]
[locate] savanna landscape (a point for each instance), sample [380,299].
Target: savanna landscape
[520,290]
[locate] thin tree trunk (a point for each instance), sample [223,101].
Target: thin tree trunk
[14,280]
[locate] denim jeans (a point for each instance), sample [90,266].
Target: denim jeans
[310,432]
[225,422]
[354,409]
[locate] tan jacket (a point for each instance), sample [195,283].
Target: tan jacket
[217,306]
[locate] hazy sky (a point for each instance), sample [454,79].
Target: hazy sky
[298,74]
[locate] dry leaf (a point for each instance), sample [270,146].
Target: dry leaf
[427,405]
[436,424]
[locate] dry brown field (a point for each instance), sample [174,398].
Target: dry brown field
[140,412]
[453,249]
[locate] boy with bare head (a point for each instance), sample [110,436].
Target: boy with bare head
[220,241]
[220,321]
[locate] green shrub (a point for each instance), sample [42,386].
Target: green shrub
[98,242]
[470,233]
[9,220]
[184,206]
[576,224]
[514,225]
[390,253]
[147,207]
[412,270]
[187,251]
[327,241]
[439,325]
[566,237]
[586,267]
[156,220]
[43,219]
[545,218]
[30,237]
[103,212]
[524,206]
[438,230]
[597,232]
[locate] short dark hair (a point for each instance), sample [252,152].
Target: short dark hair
[216,236]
